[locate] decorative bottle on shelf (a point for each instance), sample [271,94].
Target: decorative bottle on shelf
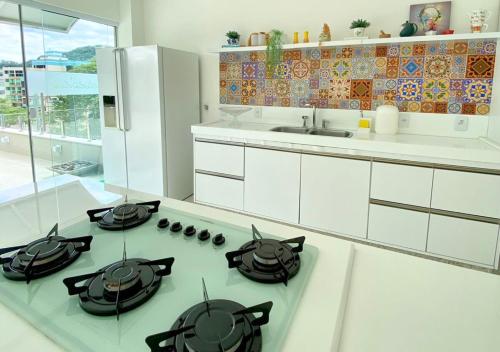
[295,37]
[306,37]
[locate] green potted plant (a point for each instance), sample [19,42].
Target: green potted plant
[274,50]
[233,38]
[359,26]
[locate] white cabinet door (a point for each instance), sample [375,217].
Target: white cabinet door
[335,194]
[402,184]
[219,191]
[221,158]
[400,227]
[466,192]
[272,184]
[463,239]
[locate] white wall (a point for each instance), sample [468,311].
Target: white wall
[200,25]
[105,9]
[131,28]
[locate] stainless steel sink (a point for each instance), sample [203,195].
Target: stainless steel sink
[331,133]
[289,129]
[313,131]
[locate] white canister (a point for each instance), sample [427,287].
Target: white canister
[387,119]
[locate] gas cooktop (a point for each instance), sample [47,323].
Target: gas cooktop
[86,319]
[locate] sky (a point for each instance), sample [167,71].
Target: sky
[81,34]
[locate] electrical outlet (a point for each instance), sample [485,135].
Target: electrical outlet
[4,140]
[404,121]
[461,123]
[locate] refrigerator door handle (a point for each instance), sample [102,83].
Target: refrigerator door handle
[116,53]
[123,116]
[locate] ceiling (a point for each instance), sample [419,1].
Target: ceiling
[36,18]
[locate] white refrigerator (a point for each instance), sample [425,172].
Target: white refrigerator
[148,98]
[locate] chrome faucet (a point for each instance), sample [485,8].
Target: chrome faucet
[312,105]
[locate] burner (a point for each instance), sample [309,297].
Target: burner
[124,216]
[267,260]
[43,256]
[119,287]
[213,326]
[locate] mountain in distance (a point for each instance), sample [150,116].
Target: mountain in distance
[83,53]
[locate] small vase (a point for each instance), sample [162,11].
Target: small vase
[359,32]
[233,41]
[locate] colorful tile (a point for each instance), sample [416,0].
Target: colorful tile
[363,68]
[436,90]
[410,89]
[480,66]
[361,89]
[477,91]
[454,77]
[437,66]
[340,89]
[411,67]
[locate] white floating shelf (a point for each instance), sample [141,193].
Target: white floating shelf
[374,41]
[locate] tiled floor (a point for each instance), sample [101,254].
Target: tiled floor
[15,170]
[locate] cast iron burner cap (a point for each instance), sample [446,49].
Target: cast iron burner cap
[189,231]
[119,287]
[176,227]
[204,235]
[163,223]
[124,216]
[214,326]
[219,239]
[125,212]
[43,256]
[267,260]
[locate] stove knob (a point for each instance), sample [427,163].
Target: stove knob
[163,223]
[176,227]
[189,231]
[219,239]
[204,235]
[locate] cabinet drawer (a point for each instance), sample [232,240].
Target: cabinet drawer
[399,227]
[220,191]
[220,158]
[466,192]
[402,184]
[463,239]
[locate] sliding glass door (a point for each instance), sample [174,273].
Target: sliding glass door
[50,130]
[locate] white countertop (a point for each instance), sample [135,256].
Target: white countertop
[446,150]
[396,302]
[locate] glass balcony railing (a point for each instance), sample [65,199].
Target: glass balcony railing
[77,123]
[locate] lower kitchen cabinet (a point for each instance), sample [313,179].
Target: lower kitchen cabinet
[272,184]
[399,227]
[219,191]
[335,194]
[463,239]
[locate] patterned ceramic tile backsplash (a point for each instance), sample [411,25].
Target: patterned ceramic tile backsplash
[439,77]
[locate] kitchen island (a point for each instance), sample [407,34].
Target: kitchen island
[394,301]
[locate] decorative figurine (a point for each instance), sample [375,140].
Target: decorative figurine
[384,34]
[325,35]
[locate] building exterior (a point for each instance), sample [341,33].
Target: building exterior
[15,90]
[55,61]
